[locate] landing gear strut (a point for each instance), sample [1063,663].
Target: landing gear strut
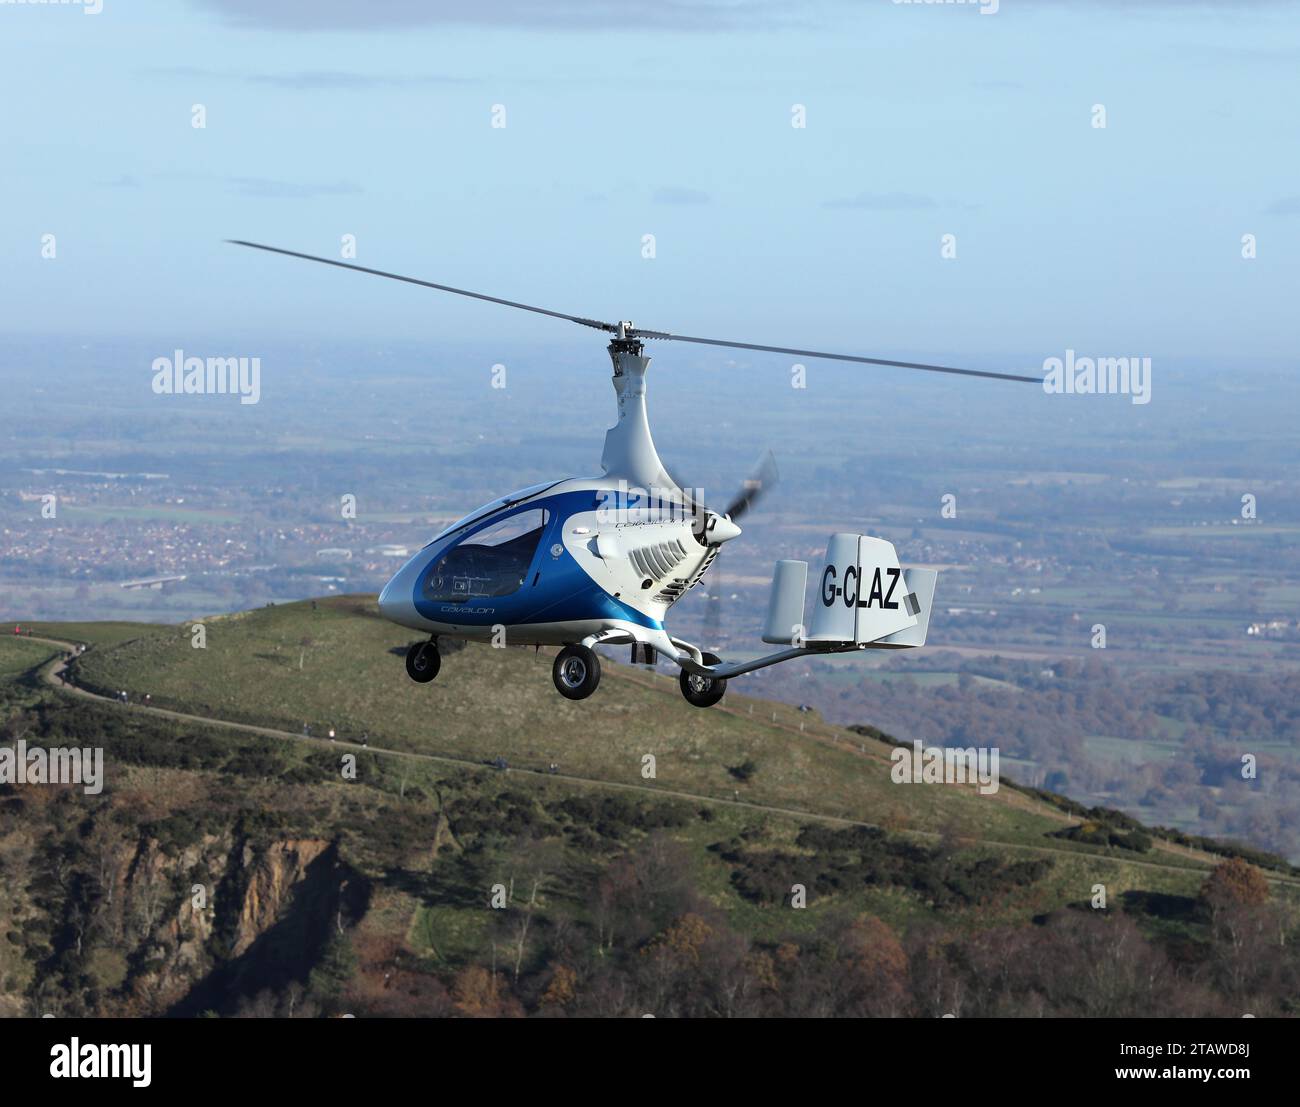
[576,672]
[703,691]
[423,662]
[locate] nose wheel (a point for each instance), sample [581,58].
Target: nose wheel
[576,672]
[423,662]
[703,691]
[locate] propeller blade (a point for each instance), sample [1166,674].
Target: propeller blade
[596,323]
[838,357]
[711,623]
[763,479]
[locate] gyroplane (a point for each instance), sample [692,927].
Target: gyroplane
[585,561]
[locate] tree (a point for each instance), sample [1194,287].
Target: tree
[1235,883]
[563,988]
[1237,895]
[875,967]
[334,970]
[477,992]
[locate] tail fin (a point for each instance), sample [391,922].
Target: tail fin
[862,595]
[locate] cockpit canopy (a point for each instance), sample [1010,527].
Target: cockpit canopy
[488,509]
[490,561]
[488,553]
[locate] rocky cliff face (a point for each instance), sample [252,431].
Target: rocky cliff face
[273,877]
[275,908]
[146,927]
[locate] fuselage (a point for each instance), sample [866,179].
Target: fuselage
[554,563]
[557,563]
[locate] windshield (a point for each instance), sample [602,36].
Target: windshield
[491,562]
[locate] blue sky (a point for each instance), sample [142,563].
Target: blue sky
[335,118]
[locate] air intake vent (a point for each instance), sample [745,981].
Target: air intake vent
[658,560]
[671,593]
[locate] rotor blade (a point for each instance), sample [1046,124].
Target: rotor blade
[596,323]
[838,357]
[760,482]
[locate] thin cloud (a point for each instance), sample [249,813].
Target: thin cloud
[264,188]
[683,196]
[1287,205]
[318,80]
[598,15]
[567,15]
[884,201]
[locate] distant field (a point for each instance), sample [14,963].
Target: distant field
[852,675]
[1061,478]
[170,604]
[1121,750]
[938,680]
[1216,484]
[167,512]
[1224,530]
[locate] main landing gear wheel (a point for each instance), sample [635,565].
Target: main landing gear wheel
[703,691]
[423,662]
[576,672]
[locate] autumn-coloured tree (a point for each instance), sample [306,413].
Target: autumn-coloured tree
[475,991]
[563,988]
[1235,883]
[478,993]
[1244,925]
[685,938]
[876,964]
[760,966]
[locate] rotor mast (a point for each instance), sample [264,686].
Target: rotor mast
[630,452]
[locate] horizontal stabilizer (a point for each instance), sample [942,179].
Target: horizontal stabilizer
[784,625]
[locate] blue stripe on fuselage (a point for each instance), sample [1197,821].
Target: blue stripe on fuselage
[563,592]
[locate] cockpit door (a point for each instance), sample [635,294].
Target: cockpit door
[494,561]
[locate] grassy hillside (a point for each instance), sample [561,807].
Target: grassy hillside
[336,664]
[18,655]
[613,882]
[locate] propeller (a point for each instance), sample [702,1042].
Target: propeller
[757,485]
[624,331]
[712,528]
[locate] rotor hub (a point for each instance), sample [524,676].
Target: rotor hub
[624,342]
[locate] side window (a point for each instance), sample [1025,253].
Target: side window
[491,562]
